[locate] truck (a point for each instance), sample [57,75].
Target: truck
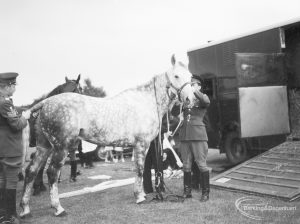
[250,79]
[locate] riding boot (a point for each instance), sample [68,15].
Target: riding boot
[73,171]
[12,216]
[195,176]
[2,206]
[205,187]
[187,185]
[201,181]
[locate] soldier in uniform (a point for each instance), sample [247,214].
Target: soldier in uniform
[11,152]
[193,141]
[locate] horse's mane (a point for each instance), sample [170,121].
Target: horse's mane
[55,91]
[148,85]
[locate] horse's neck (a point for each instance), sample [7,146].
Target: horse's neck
[163,102]
[55,91]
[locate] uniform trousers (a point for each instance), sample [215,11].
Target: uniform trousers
[194,151]
[9,169]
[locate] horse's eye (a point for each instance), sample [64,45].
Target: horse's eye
[176,76]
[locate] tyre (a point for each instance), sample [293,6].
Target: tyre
[235,148]
[100,153]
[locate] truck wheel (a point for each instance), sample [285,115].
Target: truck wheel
[100,153]
[235,148]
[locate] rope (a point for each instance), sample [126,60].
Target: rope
[158,154]
[159,182]
[180,121]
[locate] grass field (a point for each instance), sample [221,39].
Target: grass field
[117,205]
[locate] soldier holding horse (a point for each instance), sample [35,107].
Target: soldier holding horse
[11,152]
[131,118]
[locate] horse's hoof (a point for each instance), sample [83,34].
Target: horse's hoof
[61,214]
[140,200]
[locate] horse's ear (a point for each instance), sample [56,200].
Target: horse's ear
[173,59]
[67,80]
[78,79]
[180,56]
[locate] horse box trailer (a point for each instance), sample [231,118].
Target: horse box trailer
[248,79]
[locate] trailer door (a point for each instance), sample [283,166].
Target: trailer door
[263,101]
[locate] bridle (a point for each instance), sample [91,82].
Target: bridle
[178,90]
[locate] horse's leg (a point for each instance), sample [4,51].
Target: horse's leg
[38,184]
[35,164]
[139,151]
[25,140]
[116,157]
[73,164]
[53,172]
[122,157]
[132,156]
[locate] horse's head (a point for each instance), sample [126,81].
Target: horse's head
[180,79]
[71,85]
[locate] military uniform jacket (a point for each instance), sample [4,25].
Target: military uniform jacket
[193,127]
[11,125]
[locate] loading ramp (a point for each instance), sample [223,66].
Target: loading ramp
[274,173]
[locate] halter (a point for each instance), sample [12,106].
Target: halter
[178,91]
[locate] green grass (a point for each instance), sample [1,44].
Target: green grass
[117,205]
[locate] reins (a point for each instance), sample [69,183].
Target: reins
[159,181]
[158,153]
[178,125]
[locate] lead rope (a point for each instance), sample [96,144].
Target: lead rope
[158,154]
[159,182]
[171,196]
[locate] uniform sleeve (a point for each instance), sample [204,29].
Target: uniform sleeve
[203,99]
[15,121]
[175,110]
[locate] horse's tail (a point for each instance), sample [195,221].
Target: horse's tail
[31,126]
[25,139]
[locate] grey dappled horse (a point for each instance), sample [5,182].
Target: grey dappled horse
[131,118]
[70,85]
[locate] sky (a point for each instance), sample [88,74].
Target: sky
[117,43]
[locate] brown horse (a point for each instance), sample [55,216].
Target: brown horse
[131,118]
